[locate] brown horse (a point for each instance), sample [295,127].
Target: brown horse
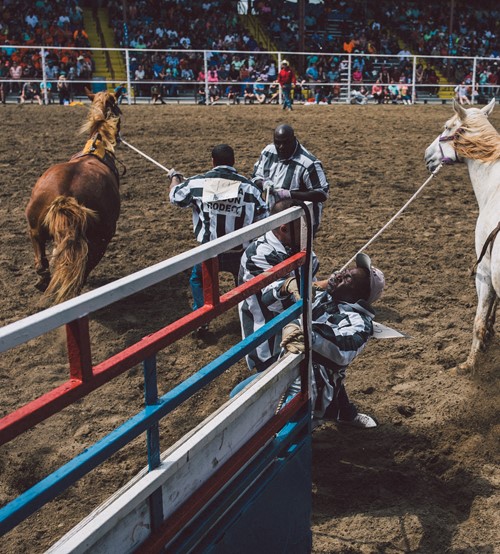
[76,204]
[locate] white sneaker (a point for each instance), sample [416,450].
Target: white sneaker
[362,421]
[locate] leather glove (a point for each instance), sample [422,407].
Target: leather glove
[293,338]
[173,173]
[282,194]
[290,286]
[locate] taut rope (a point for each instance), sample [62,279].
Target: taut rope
[145,155]
[393,217]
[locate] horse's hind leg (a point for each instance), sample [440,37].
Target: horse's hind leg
[491,318]
[483,321]
[41,261]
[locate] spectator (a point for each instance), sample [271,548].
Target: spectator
[233,94]
[47,98]
[393,92]
[419,74]
[271,72]
[81,38]
[274,92]
[359,96]
[139,75]
[29,92]
[378,92]
[121,92]
[298,91]
[169,78]
[357,76]
[461,93]
[200,97]
[156,95]
[483,81]
[404,92]
[15,72]
[213,93]
[260,91]
[63,89]
[4,72]
[249,96]
[213,76]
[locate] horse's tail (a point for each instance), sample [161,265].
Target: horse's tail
[67,222]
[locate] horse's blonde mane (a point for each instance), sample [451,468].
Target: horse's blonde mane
[477,138]
[102,120]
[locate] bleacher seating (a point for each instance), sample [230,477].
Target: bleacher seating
[379,28]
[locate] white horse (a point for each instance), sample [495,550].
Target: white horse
[470,138]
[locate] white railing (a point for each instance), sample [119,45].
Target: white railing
[338,85]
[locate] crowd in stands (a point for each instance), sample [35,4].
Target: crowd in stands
[52,24]
[385,29]
[475,32]
[375,28]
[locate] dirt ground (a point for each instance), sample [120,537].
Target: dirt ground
[426,480]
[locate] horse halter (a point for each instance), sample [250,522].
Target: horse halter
[445,160]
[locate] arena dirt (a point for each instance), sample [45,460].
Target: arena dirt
[426,480]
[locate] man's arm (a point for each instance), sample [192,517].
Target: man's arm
[313,184]
[336,338]
[309,195]
[176,178]
[261,167]
[259,258]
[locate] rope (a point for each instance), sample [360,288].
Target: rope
[433,174]
[145,155]
[395,216]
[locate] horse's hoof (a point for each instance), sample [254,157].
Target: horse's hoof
[42,284]
[462,369]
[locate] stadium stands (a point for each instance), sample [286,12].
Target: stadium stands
[388,32]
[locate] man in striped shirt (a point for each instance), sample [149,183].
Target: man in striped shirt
[255,311]
[342,324]
[222,201]
[290,171]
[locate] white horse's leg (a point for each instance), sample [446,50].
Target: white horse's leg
[486,304]
[490,321]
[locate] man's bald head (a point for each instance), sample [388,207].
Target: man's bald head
[284,141]
[284,132]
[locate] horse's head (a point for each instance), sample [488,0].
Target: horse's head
[104,117]
[105,100]
[448,147]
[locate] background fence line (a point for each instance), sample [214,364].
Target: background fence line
[341,89]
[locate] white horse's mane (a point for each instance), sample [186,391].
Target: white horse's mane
[476,137]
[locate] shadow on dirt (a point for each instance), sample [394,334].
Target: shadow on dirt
[393,473]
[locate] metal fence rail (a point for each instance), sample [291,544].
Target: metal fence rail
[340,85]
[86,377]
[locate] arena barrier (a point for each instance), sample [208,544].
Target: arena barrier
[240,481]
[191,91]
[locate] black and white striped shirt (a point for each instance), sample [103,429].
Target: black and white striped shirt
[222,201]
[256,310]
[302,171]
[340,330]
